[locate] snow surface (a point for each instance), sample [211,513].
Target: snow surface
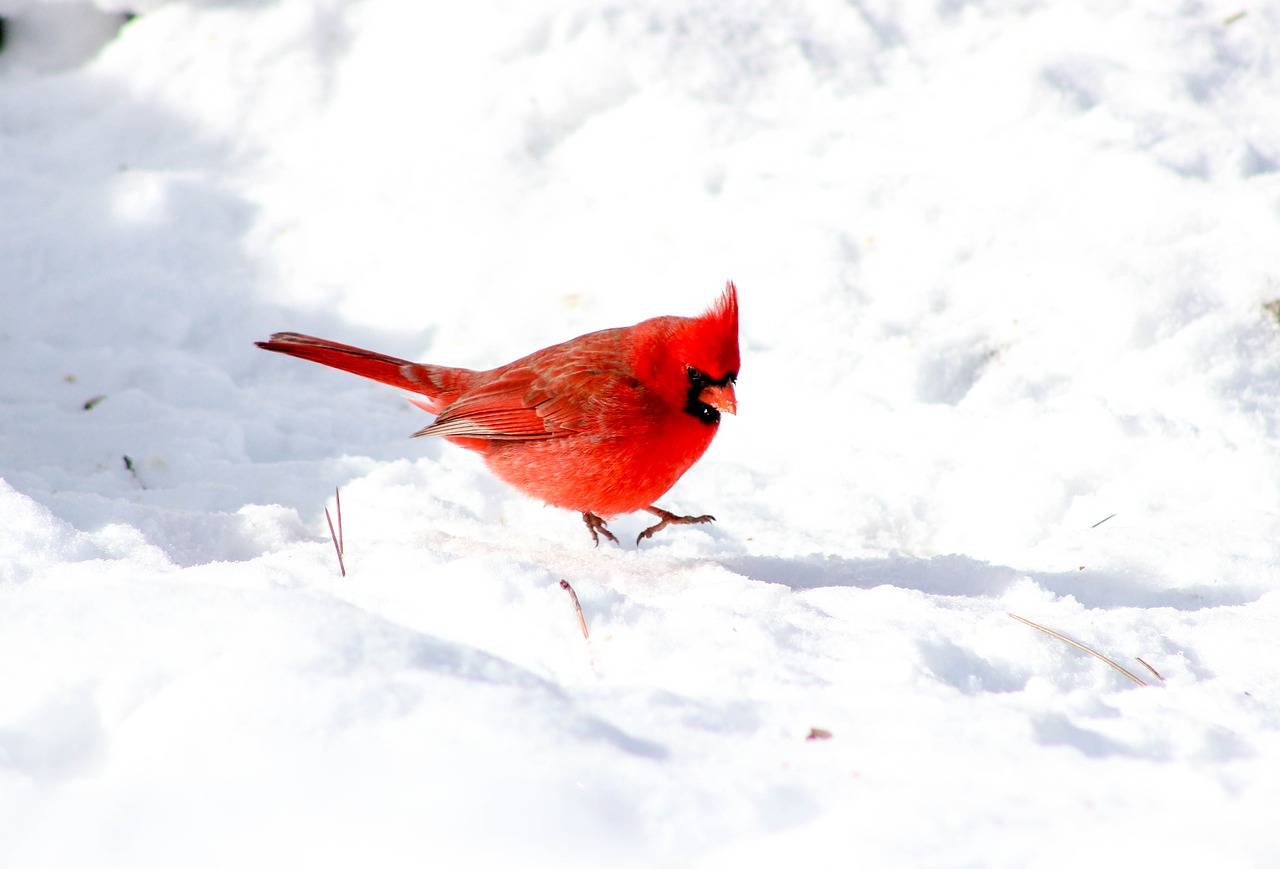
[1004,271]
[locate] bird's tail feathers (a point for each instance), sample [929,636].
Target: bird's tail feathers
[438,384]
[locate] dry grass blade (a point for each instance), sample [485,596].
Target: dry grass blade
[337,547]
[1081,646]
[582,622]
[1153,670]
[337,497]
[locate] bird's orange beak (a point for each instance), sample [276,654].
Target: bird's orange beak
[720,397]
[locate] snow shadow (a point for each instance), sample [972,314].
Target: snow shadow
[366,647]
[960,575]
[132,297]
[61,739]
[128,287]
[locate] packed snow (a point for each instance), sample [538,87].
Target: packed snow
[1011,344]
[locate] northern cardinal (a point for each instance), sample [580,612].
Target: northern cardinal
[603,424]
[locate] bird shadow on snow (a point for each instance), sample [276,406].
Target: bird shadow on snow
[962,576]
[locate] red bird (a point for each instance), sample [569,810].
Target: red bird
[603,424]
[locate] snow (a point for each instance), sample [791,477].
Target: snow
[1004,272]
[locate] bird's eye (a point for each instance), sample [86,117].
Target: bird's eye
[694,374]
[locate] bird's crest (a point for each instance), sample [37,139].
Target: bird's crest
[717,335]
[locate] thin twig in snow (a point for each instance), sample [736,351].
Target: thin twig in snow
[1081,646]
[1153,670]
[337,538]
[337,497]
[582,622]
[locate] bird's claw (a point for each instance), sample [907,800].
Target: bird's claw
[596,526]
[668,518]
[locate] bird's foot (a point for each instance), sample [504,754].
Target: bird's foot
[596,526]
[670,519]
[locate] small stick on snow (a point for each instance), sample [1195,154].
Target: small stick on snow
[1100,521]
[337,547]
[337,496]
[1153,670]
[1081,646]
[582,622]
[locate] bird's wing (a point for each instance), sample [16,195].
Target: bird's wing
[535,402]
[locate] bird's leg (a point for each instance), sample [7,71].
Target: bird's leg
[669,519]
[596,524]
